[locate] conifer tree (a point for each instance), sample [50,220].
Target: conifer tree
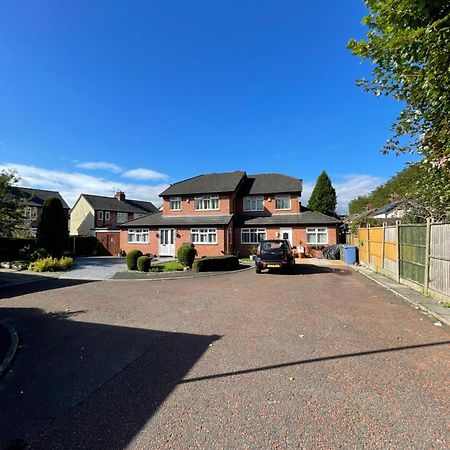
[323,197]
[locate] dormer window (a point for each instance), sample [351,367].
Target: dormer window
[175,203]
[255,203]
[207,202]
[282,202]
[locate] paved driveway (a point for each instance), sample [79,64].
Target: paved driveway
[95,268]
[320,360]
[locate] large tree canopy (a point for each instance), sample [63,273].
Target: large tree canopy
[11,206]
[323,197]
[409,44]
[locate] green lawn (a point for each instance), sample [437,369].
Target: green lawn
[170,266]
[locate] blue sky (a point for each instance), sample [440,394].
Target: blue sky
[99,95]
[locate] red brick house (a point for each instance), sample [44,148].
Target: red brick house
[228,212]
[100,216]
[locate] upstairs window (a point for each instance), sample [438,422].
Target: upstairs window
[207,202]
[282,202]
[107,215]
[317,235]
[254,203]
[122,217]
[100,215]
[175,203]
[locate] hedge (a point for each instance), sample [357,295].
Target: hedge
[131,259]
[186,255]
[216,263]
[144,263]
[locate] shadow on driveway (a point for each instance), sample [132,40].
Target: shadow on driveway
[308,269]
[87,385]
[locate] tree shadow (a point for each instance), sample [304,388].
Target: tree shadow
[22,284]
[87,385]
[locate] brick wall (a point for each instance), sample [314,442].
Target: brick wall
[188,207]
[269,206]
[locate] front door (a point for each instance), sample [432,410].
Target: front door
[166,242]
[286,233]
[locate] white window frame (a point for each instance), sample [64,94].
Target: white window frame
[175,203]
[204,202]
[259,234]
[107,215]
[209,236]
[251,203]
[312,235]
[282,197]
[138,235]
[122,214]
[100,215]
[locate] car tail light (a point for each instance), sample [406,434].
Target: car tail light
[284,262]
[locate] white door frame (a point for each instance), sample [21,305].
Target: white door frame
[166,242]
[289,232]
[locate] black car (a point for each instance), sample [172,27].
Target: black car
[275,254]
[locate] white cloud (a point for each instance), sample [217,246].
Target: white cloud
[99,165]
[349,188]
[72,184]
[145,174]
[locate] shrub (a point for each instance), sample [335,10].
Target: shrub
[186,254]
[216,263]
[144,263]
[131,259]
[50,264]
[39,253]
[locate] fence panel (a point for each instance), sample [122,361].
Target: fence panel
[412,240]
[390,249]
[363,238]
[375,247]
[440,258]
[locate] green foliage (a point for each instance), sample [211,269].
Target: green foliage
[144,263]
[364,222]
[323,197]
[170,266]
[39,253]
[11,206]
[408,45]
[131,259]
[53,232]
[216,263]
[186,254]
[404,183]
[50,264]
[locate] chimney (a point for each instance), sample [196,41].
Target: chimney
[369,206]
[120,196]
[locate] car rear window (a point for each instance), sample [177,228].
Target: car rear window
[272,247]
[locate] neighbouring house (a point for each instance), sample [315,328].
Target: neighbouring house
[34,199]
[227,213]
[100,216]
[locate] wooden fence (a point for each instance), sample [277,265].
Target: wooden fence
[417,255]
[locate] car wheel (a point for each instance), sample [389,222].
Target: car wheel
[258,269]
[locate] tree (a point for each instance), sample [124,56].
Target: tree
[11,206]
[407,43]
[53,232]
[323,197]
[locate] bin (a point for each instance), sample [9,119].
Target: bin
[350,254]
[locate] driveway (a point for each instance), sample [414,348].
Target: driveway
[324,359]
[95,268]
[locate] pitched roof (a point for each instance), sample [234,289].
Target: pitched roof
[157,219]
[36,197]
[99,202]
[302,218]
[271,183]
[212,183]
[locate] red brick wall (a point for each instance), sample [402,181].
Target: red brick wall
[298,237]
[183,236]
[269,206]
[112,222]
[188,208]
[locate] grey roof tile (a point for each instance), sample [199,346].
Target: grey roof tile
[303,218]
[158,220]
[212,183]
[36,197]
[271,183]
[99,202]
